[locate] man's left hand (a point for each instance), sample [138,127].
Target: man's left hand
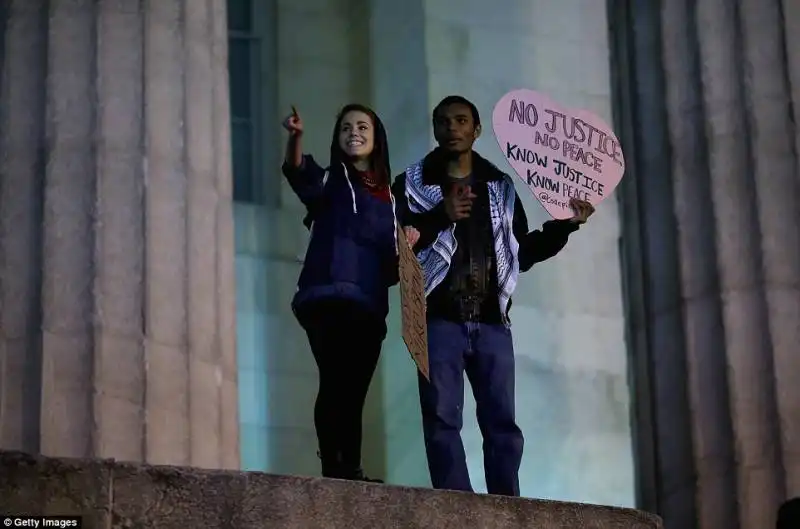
[582,209]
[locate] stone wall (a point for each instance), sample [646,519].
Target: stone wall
[122,495]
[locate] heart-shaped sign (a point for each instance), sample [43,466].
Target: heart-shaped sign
[559,153]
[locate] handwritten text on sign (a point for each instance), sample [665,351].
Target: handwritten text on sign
[560,153]
[412,299]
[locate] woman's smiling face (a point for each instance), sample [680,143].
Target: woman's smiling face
[356,135]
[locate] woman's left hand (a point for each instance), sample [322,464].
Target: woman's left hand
[412,235]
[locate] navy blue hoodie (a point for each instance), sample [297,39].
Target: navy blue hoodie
[352,253]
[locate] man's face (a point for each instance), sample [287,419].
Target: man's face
[455,129]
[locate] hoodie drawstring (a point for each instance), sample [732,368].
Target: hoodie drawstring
[324,181]
[352,190]
[394,217]
[355,208]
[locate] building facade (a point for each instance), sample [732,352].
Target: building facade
[149,247]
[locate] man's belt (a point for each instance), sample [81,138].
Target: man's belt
[469,307]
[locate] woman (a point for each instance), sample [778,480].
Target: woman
[342,295]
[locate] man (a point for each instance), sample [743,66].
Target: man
[472,243]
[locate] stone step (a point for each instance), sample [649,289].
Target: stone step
[109,493]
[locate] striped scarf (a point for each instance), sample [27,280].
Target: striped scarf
[435,259]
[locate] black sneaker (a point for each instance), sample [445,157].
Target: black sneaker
[331,467]
[334,468]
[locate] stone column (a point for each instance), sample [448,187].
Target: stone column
[22,125]
[788,391]
[747,337]
[730,79]
[771,138]
[117,237]
[654,275]
[703,344]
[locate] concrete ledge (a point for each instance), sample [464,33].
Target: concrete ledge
[123,495]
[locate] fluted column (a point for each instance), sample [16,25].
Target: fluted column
[787,360]
[704,345]
[225,265]
[748,341]
[775,170]
[134,313]
[22,124]
[167,360]
[71,297]
[731,78]
[653,273]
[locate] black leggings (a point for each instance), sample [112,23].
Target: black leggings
[345,340]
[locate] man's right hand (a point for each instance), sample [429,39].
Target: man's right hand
[458,202]
[412,235]
[293,123]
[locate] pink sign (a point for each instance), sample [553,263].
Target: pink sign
[560,153]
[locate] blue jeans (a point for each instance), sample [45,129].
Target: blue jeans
[486,353]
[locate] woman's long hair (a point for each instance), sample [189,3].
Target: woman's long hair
[379,158]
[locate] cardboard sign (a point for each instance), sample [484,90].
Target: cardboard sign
[412,300]
[560,153]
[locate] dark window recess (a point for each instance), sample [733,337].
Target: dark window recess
[242,154]
[240,15]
